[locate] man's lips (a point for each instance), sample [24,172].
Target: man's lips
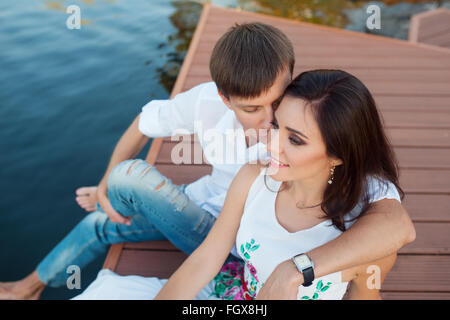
[277,164]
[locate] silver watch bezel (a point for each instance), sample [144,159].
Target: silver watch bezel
[300,267]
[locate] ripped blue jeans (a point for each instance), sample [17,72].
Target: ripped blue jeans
[159,210]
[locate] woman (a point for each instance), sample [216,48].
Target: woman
[328,152]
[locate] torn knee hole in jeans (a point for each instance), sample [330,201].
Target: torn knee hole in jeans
[145,171]
[132,166]
[180,201]
[159,186]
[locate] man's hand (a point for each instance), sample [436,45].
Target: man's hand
[282,284]
[102,196]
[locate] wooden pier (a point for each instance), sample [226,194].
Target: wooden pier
[411,85]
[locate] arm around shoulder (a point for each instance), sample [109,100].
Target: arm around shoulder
[382,231]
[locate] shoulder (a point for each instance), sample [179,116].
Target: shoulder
[379,188]
[247,175]
[244,180]
[205,90]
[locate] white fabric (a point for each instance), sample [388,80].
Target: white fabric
[267,243]
[110,286]
[200,110]
[258,227]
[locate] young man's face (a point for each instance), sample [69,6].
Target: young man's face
[255,114]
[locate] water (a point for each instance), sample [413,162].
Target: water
[66,97]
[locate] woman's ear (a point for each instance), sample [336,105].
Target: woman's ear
[224,99]
[335,162]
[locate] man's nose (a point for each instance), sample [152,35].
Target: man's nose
[268,117]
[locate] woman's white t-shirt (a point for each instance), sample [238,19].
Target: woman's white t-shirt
[262,243]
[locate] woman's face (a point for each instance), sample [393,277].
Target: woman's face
[296,146]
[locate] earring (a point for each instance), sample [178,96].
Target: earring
[330,181]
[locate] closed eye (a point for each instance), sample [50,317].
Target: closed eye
[296,140]
[274,124]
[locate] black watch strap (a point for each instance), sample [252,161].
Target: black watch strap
[308,276]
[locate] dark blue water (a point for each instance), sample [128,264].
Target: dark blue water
[66,97]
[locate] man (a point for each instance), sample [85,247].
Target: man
[251,65]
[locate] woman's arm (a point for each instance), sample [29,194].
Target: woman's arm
[366,280]
[207,260]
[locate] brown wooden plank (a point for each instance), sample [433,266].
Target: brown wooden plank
[161,264]
[322,48]
[430,22]
[183,174]
[195,156]
[432,27]
[419,137]
[410,103]
[425,181]
[418,158]
[364,74]
[417,119]
[162,245]
[427,207]
[338,62]
[419,273]
[113,256]
[224,16]
[390,295]
[431,238]
[442,39]
[378,87]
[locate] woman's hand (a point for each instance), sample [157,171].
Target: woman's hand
[282,284]
[102,196]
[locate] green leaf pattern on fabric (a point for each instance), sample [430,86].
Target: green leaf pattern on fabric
[320,287]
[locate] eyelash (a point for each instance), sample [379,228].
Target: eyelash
[293,139]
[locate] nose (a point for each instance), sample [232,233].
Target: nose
[268,117]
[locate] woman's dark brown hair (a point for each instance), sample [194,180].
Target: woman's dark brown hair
[247,59]
[352,131]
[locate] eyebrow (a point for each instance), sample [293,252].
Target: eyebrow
[292,130]
[248,106]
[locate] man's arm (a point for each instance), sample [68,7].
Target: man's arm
[128,147]
[381,232]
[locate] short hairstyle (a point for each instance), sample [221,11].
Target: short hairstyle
[247,59]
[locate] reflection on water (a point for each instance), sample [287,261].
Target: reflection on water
[184,19]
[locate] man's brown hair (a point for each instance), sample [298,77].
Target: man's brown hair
[247,59]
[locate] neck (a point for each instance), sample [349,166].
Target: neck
[309,192]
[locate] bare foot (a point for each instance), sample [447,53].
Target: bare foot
[87,198]
[29,288]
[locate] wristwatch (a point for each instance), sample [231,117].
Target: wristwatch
[306,266]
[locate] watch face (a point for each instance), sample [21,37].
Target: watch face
[302,260]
